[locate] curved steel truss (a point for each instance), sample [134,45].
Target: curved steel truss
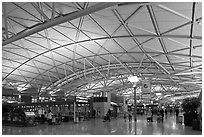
[63,48]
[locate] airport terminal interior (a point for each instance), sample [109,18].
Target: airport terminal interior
[102,68]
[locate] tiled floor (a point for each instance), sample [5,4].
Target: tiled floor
[97,127]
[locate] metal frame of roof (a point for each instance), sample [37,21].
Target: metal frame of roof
[79,48]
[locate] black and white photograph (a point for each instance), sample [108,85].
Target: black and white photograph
[101,68]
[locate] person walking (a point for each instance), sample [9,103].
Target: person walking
[125,116]
[109,114]
[130,116]
[43,118]
[166,113]
[94,113]
[150,115]
[53,119]
[177,112]
[45,115]
[162,114]
[49,117]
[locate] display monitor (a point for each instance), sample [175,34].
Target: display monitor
[28,114]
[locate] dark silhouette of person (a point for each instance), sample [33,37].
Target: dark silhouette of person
[170,111]
[162,113]
[166,113]
[130,116]
[109,112]
[152,111]
[177,112]
[94,113]
[125,116]
[43,118]
[49,117]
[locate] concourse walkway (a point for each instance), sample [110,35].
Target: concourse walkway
[117,126]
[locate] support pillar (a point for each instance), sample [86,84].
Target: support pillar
[75,110]
[135,110]
[124,104]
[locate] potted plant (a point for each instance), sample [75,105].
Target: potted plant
[190,106]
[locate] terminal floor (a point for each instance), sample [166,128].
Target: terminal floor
[96,126]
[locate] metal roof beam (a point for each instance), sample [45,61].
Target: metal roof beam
[5,18]
[20,7]
[156,27]
[77,35]
[25,78]
[160,66]
[124,65]
[109,62]
[40,11]
[141,62]
[39,73]
[191,34]
[90,39]
[191,68]
[60,20]
[132,3]
[172,11]
[84,72]
[65,72]
[95,68]
[115,11]
[75,43]
[127,19]
[109,67]
[105,54]
[74,73]
[53,11]
[104,31]
[51,52]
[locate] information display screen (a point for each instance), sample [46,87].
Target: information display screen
[29,114]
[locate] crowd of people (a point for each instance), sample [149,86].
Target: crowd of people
[159,113]
[50,118]
[54,119]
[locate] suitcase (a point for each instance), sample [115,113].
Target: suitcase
[159,119]
[149,119]
[179,119]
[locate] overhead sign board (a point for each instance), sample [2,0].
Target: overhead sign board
[146,86]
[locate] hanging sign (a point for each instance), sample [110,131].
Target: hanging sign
[146,86]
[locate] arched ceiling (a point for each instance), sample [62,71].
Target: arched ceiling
[72,48]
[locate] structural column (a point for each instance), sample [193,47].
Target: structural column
[75,110]
[135,110]
[124,104]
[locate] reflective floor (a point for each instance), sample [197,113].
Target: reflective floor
[117,126]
